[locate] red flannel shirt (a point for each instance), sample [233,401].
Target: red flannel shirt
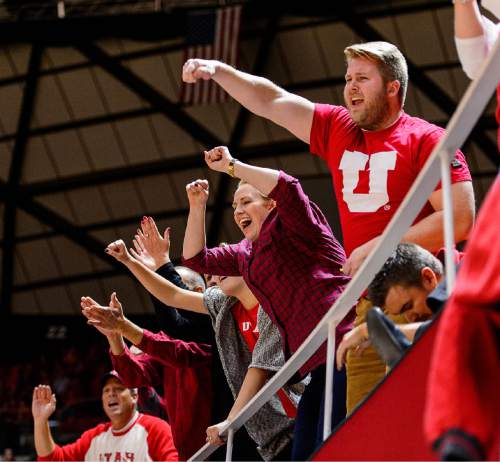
[293,268]
[184,369]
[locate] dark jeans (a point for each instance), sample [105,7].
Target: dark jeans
[308,433]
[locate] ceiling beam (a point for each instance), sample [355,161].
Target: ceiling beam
[64,280]
[172,24]
[113,224]
[176,213]
[160,216]
[418,78]
[340,80]
[15,175]
[59,224]
[185,162]
[149,94]
[85,122]
[174,164]
[247,33]
[142,112]
[130,220]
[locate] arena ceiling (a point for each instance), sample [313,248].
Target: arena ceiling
[93,137]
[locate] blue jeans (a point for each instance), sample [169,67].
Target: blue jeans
[308,434]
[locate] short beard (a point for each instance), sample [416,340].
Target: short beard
[375,115]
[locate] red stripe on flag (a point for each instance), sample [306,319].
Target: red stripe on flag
[223,48]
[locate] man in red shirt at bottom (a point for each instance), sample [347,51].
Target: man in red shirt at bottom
[129,436]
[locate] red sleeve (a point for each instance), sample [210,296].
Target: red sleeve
[77,450]
[160,441]
[459,168]
[222,261]
[464,379]
[137,370]
[174,352]
[329,130]
[478,281]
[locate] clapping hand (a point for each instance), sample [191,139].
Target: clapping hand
[151,249]
[106,319]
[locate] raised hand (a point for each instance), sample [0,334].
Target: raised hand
[218,158]
[44,403]
[195,69]
[151,249]
[197,193]
[118,249]
[105,319]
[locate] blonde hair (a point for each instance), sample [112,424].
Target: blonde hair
[243,182]
[390,61]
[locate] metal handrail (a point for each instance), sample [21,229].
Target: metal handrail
[460,125]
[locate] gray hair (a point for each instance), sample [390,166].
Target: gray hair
[191,278]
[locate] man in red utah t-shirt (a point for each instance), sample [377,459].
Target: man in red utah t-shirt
[374,151]
[128,437]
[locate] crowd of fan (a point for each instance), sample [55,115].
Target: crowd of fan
[216,347]
[74,371]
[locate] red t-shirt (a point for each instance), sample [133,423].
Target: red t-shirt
[247,324]
[373,171]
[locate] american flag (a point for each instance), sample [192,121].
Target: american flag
[212,34]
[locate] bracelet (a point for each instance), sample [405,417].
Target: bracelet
[230,167]
[462,2]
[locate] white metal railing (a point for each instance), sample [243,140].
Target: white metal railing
[438,165]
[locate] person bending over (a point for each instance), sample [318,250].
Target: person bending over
[128,436]
[405,285]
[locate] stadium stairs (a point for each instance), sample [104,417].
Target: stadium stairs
[388,425]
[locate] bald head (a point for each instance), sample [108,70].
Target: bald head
[193,280]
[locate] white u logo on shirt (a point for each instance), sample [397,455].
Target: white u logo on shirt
[379,165]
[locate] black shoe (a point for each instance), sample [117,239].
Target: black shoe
[385,337]
[455,444]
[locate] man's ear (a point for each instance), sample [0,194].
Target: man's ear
[134,392]
[428,278]
[393,88]
[199,289]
